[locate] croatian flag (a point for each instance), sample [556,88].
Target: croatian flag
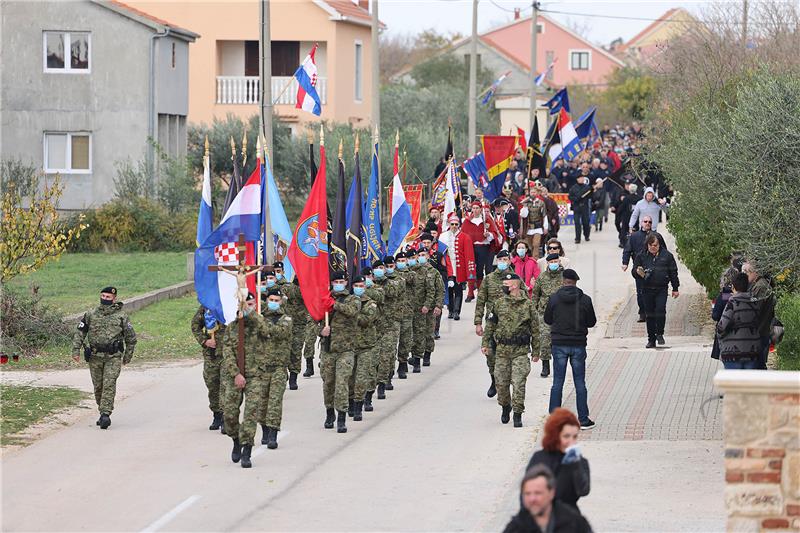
[306,76]
[570,142]
[541,77]
[400,223]
[216,291]
[204,216]
[450,190]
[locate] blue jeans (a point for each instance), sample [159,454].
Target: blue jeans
[742,364]
[576,355]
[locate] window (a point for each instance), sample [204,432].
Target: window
[549,56]
[359,71]
[539,27]
[67,153]
[285,57]
[56,45]
[580,60]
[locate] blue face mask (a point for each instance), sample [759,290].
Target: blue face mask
[378,272]
[358,291]
[521,252]
[270,283]
[279,276]
[502,265]
[553,266]
[412,262]
[338,287]
[402,266]
[389,270]
[422,260]
[273,306]
[262,288]
[369,283]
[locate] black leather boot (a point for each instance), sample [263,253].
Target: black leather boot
[292,380]
[216,423]
[351,408]
[341,422]
[264,434]
[236,453]
[402,370]
[105,421]
[272,438]
[389,385]
[309,367]
[368,401]
[415,363]
[330,418]
[246,449]
[222,424]
[426,359]
[505,415]
[545,368]
[381,391]
[357,416]
[517,420]
[492,392]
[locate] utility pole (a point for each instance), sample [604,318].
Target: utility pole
[532,82]
[265,81]
[744,24]
[376,90]
[473,74]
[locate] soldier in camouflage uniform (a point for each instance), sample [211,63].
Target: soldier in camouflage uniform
[406,337]
[277,348]
[512,328]
[546,285]
[490,291]
[108,340]
[431,296]
[212,360]
[534,211]
[310,342]
[338,345]
[296,310]
[365,341]
[394,300]
[377,293]
[419,295]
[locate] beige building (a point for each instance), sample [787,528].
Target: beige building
[224,65]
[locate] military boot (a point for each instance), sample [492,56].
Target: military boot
[222,424]
[381,391]
[309,367]
[402,370]
[505,416]
[357,414]
[105,421]
[415,363]
[389,385]
[272,438]
[217,422]
[492,392]
[368,401]
[264,434]
[351,408]
[517,420]
[98,420]
[341,422]
[545,368]
[330,418]
[426,359]
[236,453]
[246,449]
[292,380]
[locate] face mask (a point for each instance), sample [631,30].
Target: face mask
[507,290]
[358,291]
[378,272]
[262,288]
[370,283]
[338,287]
[402,266]
[412,262]
[502,265]
[105,302]
[273,306]
[270,283]
[246,311]
[521,252]
[279,276]
[423,260]
[553,266]
[389,270]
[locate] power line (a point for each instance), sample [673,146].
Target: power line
[623,17]
[514,10]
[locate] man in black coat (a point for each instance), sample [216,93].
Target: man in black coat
[580,196]
[657,268]
[633,248]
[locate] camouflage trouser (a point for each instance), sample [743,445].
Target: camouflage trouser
[423,332]
[375,365]
[406,343]
[104,372]
[246,431]
[310,340]
[387,347]
[211,375]
[298,338]
[490,359]
[336,369]
[511,369]
[364,362]
[273,384]
[545,351]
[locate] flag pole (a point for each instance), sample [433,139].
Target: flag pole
[267,219]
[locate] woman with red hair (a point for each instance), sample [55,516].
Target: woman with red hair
[561,454]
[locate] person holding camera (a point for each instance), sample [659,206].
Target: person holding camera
[657,269]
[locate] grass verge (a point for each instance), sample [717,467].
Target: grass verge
[23,406]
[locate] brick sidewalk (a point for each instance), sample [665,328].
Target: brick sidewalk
[681,321]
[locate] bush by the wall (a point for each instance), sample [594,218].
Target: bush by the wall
[788,312]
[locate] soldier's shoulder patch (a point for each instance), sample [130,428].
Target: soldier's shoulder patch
[82,325]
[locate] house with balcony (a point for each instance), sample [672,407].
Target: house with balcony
[224,68]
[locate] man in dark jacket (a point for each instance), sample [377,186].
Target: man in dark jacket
[761,291]
[580,196]
[633,248]
[570,314]
[657,269]
[739,339]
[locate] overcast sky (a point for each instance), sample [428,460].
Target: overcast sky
[412,16]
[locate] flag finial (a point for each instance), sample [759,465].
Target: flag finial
[340,148]
[233,148]
[206,144]
[310,135]
[375,135]
[356,148]
[321,135]
[259,148]
[244,144]
[397,137]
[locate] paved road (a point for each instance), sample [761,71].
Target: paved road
[433,456]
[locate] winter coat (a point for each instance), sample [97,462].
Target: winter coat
[762,292]
[644,208]
[569,314]
[526,268]
[598,199]
[573,480]
[565,520]
[635,246]
[663,270]
[739,337]
[716,314]
[578,196]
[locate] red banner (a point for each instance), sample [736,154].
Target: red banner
[414,198]
[498,151]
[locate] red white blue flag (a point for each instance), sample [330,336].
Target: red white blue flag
[307,97]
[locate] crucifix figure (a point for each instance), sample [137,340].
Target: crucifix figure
[241,271]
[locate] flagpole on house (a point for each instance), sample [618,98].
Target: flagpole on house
[533,86]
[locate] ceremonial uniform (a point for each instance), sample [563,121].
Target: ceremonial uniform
[548,282]
[461,265]
[108,340]
[424,294]
[534,211]
[212,360]
[277,347]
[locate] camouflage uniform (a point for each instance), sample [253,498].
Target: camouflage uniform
[406,336]
[277,347]
[212,360]
[296,310]
[490,291]
[337,355]
[513,327]
[393,313]
[364,343]
[423,295]
[104,329]
[255,338]
[546,284]
[311,332]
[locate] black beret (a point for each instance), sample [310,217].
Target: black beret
[510,277]
[338,274]
[400,255]
[250,296]
[274,291]
[571,274]
[359,279]
[366,271]
[109,290]
[386,260]
[426,237]
[422,249]
[277,264]
[377,263]
[550,257]
[501,254]
[411,252]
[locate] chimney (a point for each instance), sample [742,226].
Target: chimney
[363,4]
[516,13]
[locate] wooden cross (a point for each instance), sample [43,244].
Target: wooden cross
[241,271]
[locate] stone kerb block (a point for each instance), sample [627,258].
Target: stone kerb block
[754,499]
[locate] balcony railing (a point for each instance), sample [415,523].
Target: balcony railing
[245,89]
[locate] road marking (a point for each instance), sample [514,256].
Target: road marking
[263,448]
[167,518]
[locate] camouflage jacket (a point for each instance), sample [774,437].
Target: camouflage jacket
[424,292]
[201,335]
[366,335]
[491,290]
[546,285]
[104,329]
[377,295]
[257,330]
[512,322]
[293,305]
[343,323]
[394,296]
[279,338]
[439,291]
[410,282]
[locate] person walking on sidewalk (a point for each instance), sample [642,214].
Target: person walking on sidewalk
[570,314]
[739,338]
[657,269]
[633,248]
[580,196]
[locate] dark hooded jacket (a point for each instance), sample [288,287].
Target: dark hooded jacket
[565,520]
[570,314]
[739,337]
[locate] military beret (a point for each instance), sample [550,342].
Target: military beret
[510,277]
[359,279]
[338,274]
[274,291]
[551,257]
[250,296]
[387,260]
[501,254]
[377,263]
[422,250]
[366,271]
[426,237]
[400,255]
[411,252]
[109,290]
[571,274]
[277,264]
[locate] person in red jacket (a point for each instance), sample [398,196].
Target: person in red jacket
[461,265]
[524,265]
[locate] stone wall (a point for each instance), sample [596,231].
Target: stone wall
[761,428]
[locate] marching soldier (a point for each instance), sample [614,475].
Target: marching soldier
[512,328]
[310,344]
[209,332]
[406,339]
[392,314]
[277,347]
[376,293]
[490,291]
[108,340]
[365,342]
[296,310]
[546,285]
[431,295]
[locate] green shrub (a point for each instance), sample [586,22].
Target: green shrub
[788,312]
[27,325]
